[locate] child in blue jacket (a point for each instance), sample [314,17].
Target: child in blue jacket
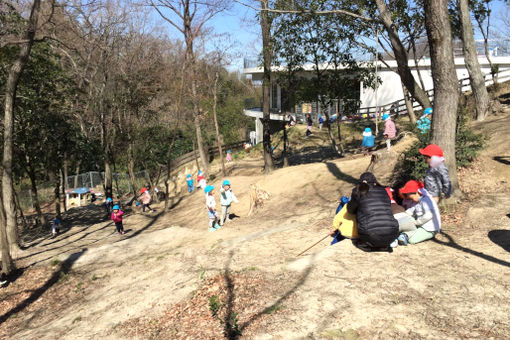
[368,142]
[189,181]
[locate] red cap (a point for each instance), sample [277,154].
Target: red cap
[144,189]
[432,150]
[411,187]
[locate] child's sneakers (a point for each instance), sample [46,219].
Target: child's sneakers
[403,239]
[394,244]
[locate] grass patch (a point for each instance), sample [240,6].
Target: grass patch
[272,309]
[160,257]
[77,319]
[63,277]
[79,285]
[94,277]
[54,262]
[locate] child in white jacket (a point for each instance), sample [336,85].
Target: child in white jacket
[425,213]
[226,198]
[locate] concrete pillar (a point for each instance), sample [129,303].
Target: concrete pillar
[259,129]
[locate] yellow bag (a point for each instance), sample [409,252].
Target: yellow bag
[346,223]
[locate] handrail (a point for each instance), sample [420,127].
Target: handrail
[399,104]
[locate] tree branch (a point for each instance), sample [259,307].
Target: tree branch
[306,11]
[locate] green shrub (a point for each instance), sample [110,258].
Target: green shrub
[467,145]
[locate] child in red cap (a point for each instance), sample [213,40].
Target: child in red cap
[425,213]
[437,180]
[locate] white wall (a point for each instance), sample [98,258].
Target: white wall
[391,89]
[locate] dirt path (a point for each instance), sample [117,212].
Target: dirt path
[92,281]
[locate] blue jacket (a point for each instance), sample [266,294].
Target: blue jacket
[423,124]
[368,141]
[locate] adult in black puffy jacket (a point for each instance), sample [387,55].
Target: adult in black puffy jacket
[371,204]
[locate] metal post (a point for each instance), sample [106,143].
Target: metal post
[376,81]
[91,179]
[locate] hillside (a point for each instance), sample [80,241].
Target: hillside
[169,278]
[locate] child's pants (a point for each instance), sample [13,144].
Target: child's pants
[119,226]
[388,144]
[225,214]
[148,206]
[190,188]
[213,218]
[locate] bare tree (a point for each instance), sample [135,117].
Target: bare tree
[267,51]
[189,18]
[446,95]
[477,79]
[10,95]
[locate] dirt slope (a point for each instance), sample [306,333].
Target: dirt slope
[106,286]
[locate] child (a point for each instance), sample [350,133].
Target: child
[437,180]
[229,156]
[423,124]
[117,218]
[368,141]
[210,203]
[201,182]
[390,130]
[109,205]
[55,227]
[226,198]
[146,199]
[321,122]
[309,123]
[189,181]
[425,213]
[344,223]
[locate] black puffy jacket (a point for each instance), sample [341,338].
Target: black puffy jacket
[376,223]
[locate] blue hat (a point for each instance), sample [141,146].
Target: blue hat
[208,189]
[57,221]
[226,182]
[189,176]
[368,129]
[116,207]
[428,111]
[385,116]
[228,151]
[200,172]
[109,199]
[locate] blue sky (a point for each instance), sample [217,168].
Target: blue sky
[241,24]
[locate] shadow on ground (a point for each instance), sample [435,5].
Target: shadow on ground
[451,243]
[501,238]
[64,268]
[502,159]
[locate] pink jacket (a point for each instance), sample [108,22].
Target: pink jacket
[117,217]
[146,198]
[389,128]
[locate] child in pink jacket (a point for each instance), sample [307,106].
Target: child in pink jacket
[117,218]
[390,130]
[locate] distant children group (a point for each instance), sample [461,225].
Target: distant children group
[373,217]
[390,131]
[227,197]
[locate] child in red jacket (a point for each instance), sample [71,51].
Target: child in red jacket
[117,218]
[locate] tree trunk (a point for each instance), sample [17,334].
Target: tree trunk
[57,196]
[200,143]
[35,197]
[108,179]
[131,169]
[401,56]
[218,137]
[65,185]
[415,58]
[409,105]
[471,57]
[167,183]
[285,143]
[8,133]
[77,172]
[7,262]
[20,209]
[446,97]
[265,24]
